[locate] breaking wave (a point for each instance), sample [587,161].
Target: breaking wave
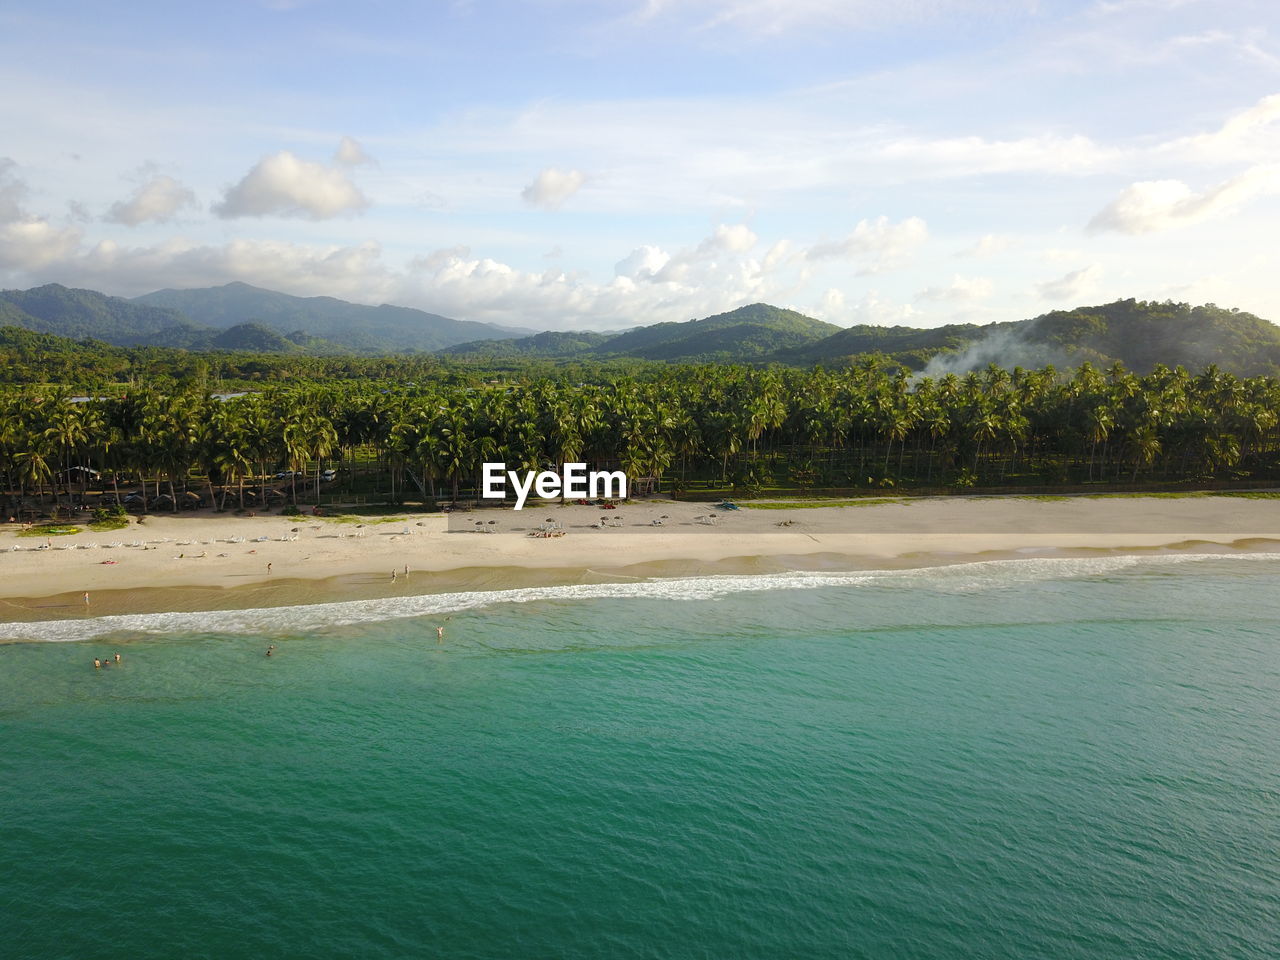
[958,578]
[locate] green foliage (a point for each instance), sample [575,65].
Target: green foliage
[268,336]
[61,310]
[108,523]
[50,530]
[548,344]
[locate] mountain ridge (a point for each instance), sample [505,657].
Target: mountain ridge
[1138,333]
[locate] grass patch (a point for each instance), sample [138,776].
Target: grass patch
[110,523]
[815,504]
[54,530]
[356,518]
[1186,494]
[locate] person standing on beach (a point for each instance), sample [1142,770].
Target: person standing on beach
[268,569]
[393,576]
[86,598]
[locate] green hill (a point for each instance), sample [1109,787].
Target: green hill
[1143,333]
[77,314]
[905,344]
[549,344]
[744,335]
[1138,333]
[381,329]
[749,333]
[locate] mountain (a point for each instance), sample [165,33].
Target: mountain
[381,329]
[548,344]
[77,314]
[1143,333]
[745,335]
[752,332]
[238,317]
[243,338]
[913,346]
[1138,333]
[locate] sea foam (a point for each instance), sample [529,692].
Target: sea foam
[958,578]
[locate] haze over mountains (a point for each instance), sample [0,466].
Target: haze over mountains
[239,317]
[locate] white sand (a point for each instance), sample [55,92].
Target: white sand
[194,549]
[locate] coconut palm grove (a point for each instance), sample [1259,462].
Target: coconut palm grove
[418,432]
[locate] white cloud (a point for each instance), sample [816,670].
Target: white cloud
[283,184]
[973,155]
[1061,255]
[351,154]
[1153,205]
[959,290]
[872,308]
[1073,285]
[552,187]
[878,245]
[642,263]
[449,281]
[158,199]
[767,18]
[437,257]
[35,244]
[1248,132]
[12,191]
[986,246]
[729,239]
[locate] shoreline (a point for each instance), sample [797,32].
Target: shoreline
[323,605]
[220,561]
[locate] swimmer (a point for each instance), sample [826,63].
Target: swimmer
[270,647]
[97,664]
[117,658]
[439,634]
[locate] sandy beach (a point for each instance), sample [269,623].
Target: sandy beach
[218,552]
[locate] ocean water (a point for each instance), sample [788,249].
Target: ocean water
[1059,758]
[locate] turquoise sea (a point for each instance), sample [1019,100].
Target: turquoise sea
[1057,758]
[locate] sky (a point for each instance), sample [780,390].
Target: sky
[595,164]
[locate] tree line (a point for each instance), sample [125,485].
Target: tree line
[869,426]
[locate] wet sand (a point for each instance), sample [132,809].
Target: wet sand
[219,561]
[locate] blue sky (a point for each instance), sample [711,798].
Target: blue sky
[563,164]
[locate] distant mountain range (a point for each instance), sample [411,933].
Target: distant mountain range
[239,317]
[748,334]
[1138,333]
